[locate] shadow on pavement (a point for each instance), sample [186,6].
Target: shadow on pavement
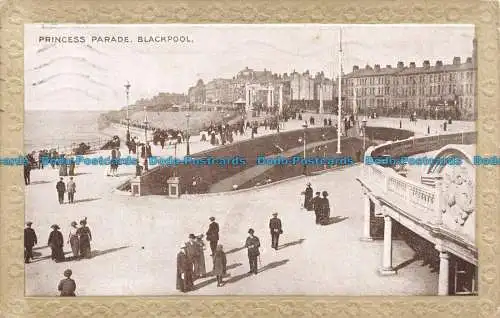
[336,219]
[291,244]
[38,182]
[262,269]
[229,267]
[234,250]
[111,250]
[86,200]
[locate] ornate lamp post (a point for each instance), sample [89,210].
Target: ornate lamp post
[187,134]
[127,91]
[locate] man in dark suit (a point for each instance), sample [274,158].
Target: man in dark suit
[317,204]
[184,271]
[30,240]
[252,244]
[213,235]
[276,230]
[61,188]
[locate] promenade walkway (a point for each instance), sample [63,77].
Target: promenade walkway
[133,255]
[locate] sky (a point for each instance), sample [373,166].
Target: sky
[92,75]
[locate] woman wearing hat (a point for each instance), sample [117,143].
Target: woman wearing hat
[67,286]
[184,271]
[325,209]
[85,237]
[220,264]
[56,243]
[308,195]
[199,266]
[73,240]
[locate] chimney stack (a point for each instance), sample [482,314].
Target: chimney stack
[439,64]
[456,60]
[401,64]
[412,64]
[388,66]
[377,67]
[469,60]
[427,64]
[355,68]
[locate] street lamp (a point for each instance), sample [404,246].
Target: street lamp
[187,134]
[127,90]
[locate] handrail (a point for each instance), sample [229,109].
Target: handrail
[423,197]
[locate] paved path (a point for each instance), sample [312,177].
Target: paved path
[136,239]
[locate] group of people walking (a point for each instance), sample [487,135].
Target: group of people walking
[191,263]
[79,239]
[320,205]
[69,187]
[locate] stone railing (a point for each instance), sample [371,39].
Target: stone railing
[418,197]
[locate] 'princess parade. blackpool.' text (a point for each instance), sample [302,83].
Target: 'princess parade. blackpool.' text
[114,39]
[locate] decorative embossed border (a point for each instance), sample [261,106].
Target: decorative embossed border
[14,13]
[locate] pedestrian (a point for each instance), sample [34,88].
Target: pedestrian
[276,229]
[71,190]
[74,240]
[117,163]
[85,237]
[201,269]
[30,240]
[252,244]
[63,167]
[67,286]
[317,204]
[184,271]
[27,171]
[220,265]
[192,254]
[113,165]
[56,243]
[61,188]
[213,234]
[308,194]
[72,167]
[325,209]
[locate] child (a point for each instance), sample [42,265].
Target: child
[67,286]
[220,263]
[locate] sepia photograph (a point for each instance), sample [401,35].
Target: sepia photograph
[250,159]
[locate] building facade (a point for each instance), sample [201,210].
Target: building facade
[196,94]
[299,88]
[434,91]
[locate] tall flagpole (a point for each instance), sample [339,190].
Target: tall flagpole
[339,114]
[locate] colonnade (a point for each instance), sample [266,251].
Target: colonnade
[387,268]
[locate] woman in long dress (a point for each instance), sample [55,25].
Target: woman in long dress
[220,264]
[85,237]
[73,240]
[200,268]
[56,243]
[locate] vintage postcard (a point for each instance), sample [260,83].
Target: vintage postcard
[266,159]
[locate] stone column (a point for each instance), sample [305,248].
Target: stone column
[387,258]
[268,96]
[367,218]
[444,272]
